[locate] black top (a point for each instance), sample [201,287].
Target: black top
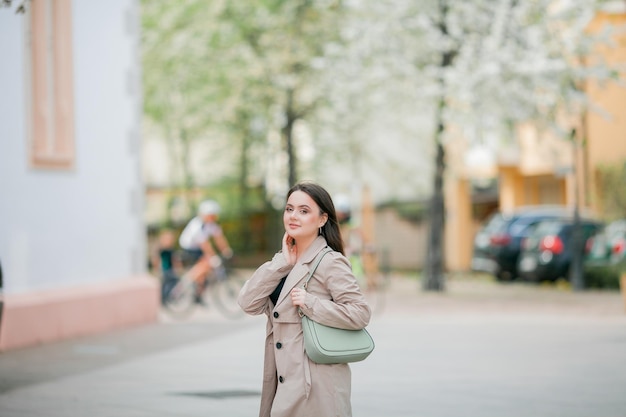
[276,293]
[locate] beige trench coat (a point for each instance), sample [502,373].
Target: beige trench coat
[293,385]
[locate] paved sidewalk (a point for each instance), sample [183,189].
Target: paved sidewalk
[479,349]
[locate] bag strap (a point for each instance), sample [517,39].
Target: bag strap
[317,261]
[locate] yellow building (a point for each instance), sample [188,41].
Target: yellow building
[538,168]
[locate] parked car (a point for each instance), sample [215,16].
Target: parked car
[547,253]
[609,243]
[605,260]
[497,245]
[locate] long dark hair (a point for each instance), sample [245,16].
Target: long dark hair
[330,230]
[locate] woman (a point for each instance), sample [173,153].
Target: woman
[293,385]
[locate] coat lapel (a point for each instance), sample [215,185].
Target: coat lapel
[301,270]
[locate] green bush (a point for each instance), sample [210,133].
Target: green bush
[605,275]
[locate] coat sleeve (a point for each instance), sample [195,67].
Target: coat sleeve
[335,299]
[254,296]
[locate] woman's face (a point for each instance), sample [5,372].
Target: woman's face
[302,217]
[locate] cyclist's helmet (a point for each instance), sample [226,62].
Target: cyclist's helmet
[342,203]
[208,207]
[343,208]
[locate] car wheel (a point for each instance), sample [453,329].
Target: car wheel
[504,276]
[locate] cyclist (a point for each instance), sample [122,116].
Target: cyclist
[349,232]
[362,255]
[199,239]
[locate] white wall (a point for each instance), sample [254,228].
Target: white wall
[60,228]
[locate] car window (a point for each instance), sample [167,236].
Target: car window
[541,229]
[550,227]
[495,223]
[616,229]
[589,230]
[521,227]
[524,225]
[599,245]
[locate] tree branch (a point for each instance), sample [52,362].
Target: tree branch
[20,9]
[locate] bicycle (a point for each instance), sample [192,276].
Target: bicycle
[221,288]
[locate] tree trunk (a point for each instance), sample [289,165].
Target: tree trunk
[244,201]
[172,186]
[433,270]
[290,115]
[188,178]
[433,273]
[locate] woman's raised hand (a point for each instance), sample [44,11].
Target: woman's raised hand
[290,251]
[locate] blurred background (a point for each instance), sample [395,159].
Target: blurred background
[467,137]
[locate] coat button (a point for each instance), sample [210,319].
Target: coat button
[276,314]
[279,345]
[281,379]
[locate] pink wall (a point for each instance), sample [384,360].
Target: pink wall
[48,316]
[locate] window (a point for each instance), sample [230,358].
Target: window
[52,92]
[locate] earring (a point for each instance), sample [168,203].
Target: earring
[320,230]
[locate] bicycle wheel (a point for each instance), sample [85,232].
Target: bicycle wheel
[179,301]
[225,292]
